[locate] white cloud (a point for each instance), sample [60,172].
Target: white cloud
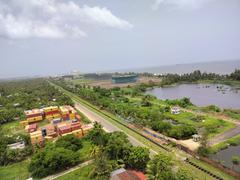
[52,19]
[181,4]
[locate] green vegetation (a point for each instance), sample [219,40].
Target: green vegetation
[235,114]
[234,141]
[141,113]
[195,172]
[66,152]
[132,106]
[199,76]
[8,155]
[114,151]
[69,142]
[17,96]
[161,167]
[81,81]
[15,171]
[84,119]
[79,174]
[235,161]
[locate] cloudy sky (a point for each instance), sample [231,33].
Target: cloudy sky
[41,37]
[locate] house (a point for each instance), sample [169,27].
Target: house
[18,145]
[123,174]
[175,110]
[196,137]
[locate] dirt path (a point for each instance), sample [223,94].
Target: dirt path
[55,176]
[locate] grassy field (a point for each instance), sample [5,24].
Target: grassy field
[81,81]
[79,174]
[12,128]
[15,171]
[197,173]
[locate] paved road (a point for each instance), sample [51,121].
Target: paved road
[109,127]
[225,136]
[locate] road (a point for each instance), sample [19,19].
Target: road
[225,136]
[109,127]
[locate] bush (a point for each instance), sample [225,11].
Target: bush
[51,160]
[212,108]
[182,131]
[161,126]
[138,158]
[69,142]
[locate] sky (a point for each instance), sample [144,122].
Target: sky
[48,37]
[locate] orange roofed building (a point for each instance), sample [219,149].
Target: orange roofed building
[123,174]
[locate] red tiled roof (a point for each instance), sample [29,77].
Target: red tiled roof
[129,175]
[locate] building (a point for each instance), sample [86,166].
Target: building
[51,113]
[18,145]
[118,79]
[67,112]
[175,110]
[67,77]
[37,138]
[33,115]
[123,174]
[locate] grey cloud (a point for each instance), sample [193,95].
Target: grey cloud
[180,4]
[53,19]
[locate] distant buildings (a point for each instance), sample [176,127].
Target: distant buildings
[117,79]
[68,77]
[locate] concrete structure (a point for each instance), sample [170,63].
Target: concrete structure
[175,110]
[67,77]
[196,137]
[118,79]
[18,145]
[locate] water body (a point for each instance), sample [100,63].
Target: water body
[219,67]
[225,156]
[201,94]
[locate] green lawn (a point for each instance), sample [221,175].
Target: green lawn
[15,171]
[217,126]
[12,128]
[79,174]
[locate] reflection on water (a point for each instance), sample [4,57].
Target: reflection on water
[201,94]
